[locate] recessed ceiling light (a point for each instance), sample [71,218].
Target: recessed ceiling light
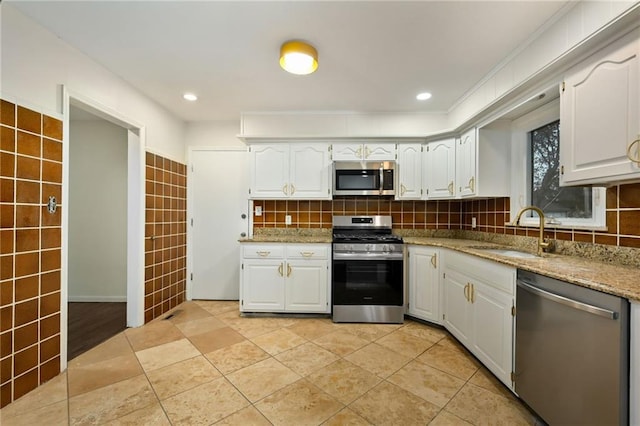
[190,97]
[423,96]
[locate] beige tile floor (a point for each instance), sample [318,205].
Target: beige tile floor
[207,365]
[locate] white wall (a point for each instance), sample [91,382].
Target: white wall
[572,28]
[35,63]
[212,133]
[97,211]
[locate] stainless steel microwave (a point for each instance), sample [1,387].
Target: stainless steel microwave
[364,178]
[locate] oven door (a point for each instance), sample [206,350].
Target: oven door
[368,280]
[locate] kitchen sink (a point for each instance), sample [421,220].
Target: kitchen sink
[509,253]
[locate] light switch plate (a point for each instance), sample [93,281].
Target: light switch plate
[473,222]
[287,219]
[258,211]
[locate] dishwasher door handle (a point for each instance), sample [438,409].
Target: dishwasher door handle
[568,302]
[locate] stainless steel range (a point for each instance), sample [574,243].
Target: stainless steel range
[367,270]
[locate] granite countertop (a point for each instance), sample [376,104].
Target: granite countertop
[619,280]
[292,239]
[612,270]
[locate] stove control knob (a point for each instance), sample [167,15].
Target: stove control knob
[369,247]
[387,248]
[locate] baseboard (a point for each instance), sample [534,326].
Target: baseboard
[97,298]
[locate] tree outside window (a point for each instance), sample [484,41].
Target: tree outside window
[546,192]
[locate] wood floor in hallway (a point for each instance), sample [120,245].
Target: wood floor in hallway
[91,323]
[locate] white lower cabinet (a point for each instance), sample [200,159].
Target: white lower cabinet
[285,278]
[478,307]
[424,283]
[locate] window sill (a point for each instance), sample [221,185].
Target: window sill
[559,226]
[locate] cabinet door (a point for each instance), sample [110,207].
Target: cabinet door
[379,152]
[424,283]
[410,172]
[347,151]
[456,307]
[262,285]
[309,171]
[307,286]
[600,117]
[440,169]
[466,164]
[269,171]
[493,330]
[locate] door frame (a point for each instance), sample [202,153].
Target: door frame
[136,143]
[190,153]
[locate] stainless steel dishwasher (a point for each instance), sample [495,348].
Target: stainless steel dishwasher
[572,352]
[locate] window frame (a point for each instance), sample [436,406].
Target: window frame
[521,174]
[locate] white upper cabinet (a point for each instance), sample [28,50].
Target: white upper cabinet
[364,151]
[439,171]
[466,163]
[409,172]
[600,116]
[309,171]
[298,171]
[483,161]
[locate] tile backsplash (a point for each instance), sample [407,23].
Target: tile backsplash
[30,249]
[492,214]
[165,235]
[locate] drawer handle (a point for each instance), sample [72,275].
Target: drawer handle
[630,147]
[434,261]
[306,253]
[466,291]
[288,270]
[450,188]
[280,270]
[263,253]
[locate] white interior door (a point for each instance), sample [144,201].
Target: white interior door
[219,184]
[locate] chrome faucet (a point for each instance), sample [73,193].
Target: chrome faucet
[542,244]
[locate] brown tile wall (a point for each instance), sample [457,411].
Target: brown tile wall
[623,216]
[30,257]
[166,221]
[317,214]
[623,219]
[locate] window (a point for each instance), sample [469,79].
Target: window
[535,175]
[546,193]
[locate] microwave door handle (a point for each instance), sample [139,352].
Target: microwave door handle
[381,179]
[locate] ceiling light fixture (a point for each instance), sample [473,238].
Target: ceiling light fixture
[190,97]
[423,96]
[298,57]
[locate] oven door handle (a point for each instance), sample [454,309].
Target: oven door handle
[368,256]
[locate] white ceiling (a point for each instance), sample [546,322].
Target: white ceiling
[374,56]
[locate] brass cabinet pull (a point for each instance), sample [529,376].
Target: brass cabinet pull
[288,270]
[434,261]
[367,152]
[472,184]
[280,269]
[630,147]
[466,291]
[284,189]
[359,151]
[263,253]
[306,253]
[450,188]
[473,294]
[403,189]
[293,189]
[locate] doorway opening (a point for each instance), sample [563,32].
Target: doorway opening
[103,225]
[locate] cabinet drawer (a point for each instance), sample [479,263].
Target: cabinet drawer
[259,251]
[494,274]
[308,251]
